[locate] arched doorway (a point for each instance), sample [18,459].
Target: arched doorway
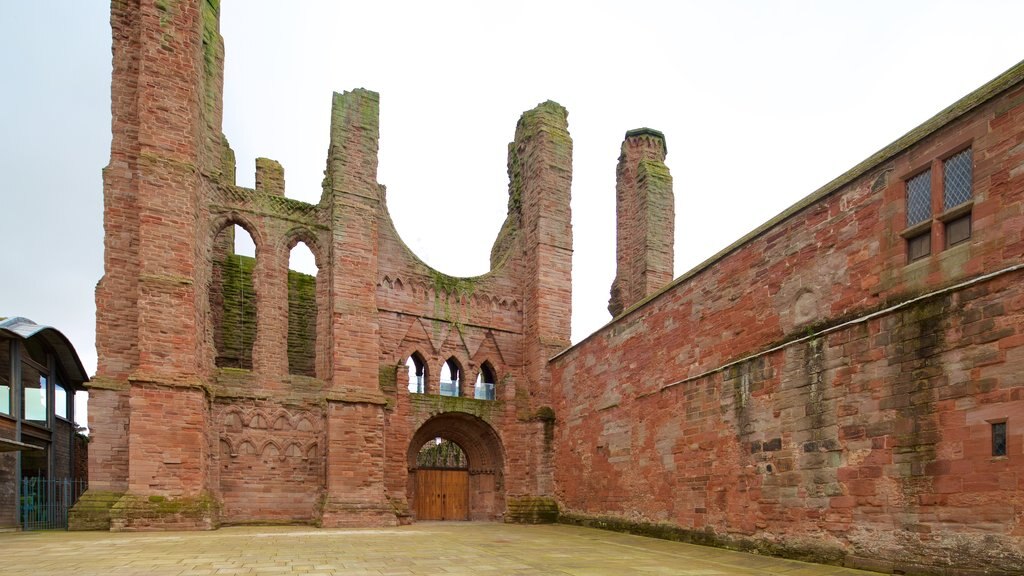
[455,469]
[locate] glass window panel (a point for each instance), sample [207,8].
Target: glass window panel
[60,400]
[919,198]
[999,439]
[957,174]
[34,397]
[5,376]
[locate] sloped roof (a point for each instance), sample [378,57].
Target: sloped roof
[70,363]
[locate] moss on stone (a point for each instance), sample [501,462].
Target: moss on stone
[387,380]
[92,511]
[806,551]
[237,329]
[436,404]
[133,511]
[532,510]
[301,324]
[545,413]
[454,285]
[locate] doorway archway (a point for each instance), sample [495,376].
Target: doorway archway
[431,486]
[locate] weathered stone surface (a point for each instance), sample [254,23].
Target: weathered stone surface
[809,385]
[807,392]
[231,390]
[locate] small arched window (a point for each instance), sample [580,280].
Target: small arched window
[484,387]
[417,370]
[450,377]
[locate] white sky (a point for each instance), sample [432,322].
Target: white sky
[761,104]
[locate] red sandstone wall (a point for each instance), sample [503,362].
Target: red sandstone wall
[270,461]
[871,441]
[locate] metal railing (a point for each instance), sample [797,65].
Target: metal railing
[45,503]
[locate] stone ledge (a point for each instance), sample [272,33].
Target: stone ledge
[531,510]
[136,513]
[92,511]
[354,514]
[804,551]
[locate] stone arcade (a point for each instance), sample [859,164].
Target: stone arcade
[843,384]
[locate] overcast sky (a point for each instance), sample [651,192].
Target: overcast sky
[761,103]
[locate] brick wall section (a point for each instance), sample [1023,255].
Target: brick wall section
[644,220]
[868,444]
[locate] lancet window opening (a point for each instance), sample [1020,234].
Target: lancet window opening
[417,373]
[483,389]
[232,297]
[451,376]
[302,310]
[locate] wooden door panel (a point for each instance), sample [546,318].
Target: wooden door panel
[428,495]
[442,494]
[456,495]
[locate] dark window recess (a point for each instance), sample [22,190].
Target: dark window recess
[999,439]
[957,174]
[919,198]
[958,230]
[919,246]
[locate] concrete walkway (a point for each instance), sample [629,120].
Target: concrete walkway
[423,548]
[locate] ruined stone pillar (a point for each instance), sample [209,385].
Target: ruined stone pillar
[644,220]
[355,403]
[540,169]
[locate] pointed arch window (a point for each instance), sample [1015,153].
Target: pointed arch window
[417,370]
[233,297]
[484,387]
[451,374]
[302,310]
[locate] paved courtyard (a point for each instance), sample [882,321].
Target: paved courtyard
[424,548]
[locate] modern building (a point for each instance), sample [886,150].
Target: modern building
[42,456]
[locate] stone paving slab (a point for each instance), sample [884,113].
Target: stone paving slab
[445,549]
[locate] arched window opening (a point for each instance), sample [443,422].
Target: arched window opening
[441,453]
[484,387]
[450,376]
[242,242]
[233,298]
[302,311]
[417,369]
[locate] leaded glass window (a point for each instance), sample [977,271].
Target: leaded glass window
[999,439]
[919,198]
[957,174]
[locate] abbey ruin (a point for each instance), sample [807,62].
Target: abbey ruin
[844,384]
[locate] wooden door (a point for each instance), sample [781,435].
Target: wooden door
[442,494]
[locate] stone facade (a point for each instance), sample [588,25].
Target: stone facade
[232,390]
[809,391]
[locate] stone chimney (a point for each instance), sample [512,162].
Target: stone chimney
[644,220]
